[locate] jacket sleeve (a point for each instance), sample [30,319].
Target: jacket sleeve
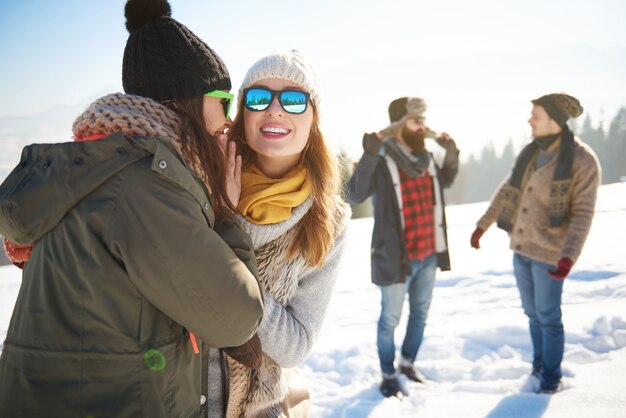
[450,166]
[288,332]
[585,183]
[491,215]
[181,265]
[361,185]
[238,241]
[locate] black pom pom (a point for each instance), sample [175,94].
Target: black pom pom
[140,12]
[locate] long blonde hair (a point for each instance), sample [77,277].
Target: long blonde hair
[317,229]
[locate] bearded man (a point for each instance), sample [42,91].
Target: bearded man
[409,240]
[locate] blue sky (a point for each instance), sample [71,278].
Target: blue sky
[476,63]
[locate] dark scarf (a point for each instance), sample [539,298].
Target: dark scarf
[410,164]
[559,190]
[544,142]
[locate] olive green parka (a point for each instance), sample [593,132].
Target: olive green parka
[127,260]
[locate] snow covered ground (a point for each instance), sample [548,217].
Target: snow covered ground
[477,349]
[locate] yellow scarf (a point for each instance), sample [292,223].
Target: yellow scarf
[268,201]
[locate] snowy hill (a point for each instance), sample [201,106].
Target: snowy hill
[477,349]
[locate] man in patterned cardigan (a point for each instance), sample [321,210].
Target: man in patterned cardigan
[409,240]
[546,205]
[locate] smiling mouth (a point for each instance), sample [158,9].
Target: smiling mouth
[274,131]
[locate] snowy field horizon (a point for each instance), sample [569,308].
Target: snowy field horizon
[476,349]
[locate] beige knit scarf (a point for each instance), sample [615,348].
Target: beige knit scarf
[127,114]
[132,115]
[258,393]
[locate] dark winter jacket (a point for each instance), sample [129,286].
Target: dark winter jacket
[376,175]
[127,259]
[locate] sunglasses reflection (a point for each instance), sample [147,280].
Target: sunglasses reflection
[258,99]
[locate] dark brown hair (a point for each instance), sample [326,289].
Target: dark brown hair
[203,152]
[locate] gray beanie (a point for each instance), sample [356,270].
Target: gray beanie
[287,65]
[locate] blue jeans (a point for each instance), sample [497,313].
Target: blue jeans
[419,286]
[541,300]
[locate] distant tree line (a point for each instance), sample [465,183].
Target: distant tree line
[480,175]
[609,145]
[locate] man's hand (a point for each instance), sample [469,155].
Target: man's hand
[372,143]
[475,239]
[562,269]
[446,141]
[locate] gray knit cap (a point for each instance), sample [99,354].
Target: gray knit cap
[287,65]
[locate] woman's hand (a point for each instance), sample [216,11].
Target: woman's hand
[233,169]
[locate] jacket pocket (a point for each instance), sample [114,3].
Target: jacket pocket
[552,236]
[171,381]
[38,382]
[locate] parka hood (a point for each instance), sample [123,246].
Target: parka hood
[52,178]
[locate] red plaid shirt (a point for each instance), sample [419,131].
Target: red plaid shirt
[419,215]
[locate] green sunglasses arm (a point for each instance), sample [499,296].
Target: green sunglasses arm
[222,95]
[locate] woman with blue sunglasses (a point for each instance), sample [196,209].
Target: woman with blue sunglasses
[290,206]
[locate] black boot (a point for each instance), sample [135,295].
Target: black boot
[390,386]
[550,390]
[413,374]
[536,372]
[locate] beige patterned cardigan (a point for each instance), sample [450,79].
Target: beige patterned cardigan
[531,235]
[296,297]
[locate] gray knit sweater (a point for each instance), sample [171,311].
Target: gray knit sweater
[288,331]
[295,303]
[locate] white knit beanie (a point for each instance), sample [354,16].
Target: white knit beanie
[287,65]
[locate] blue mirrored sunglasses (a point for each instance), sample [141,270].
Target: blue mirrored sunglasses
[257,99]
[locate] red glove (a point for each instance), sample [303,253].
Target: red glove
[562,269]
[18,254]
[475,240]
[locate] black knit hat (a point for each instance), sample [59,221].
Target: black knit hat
[163,59]
[560,106]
